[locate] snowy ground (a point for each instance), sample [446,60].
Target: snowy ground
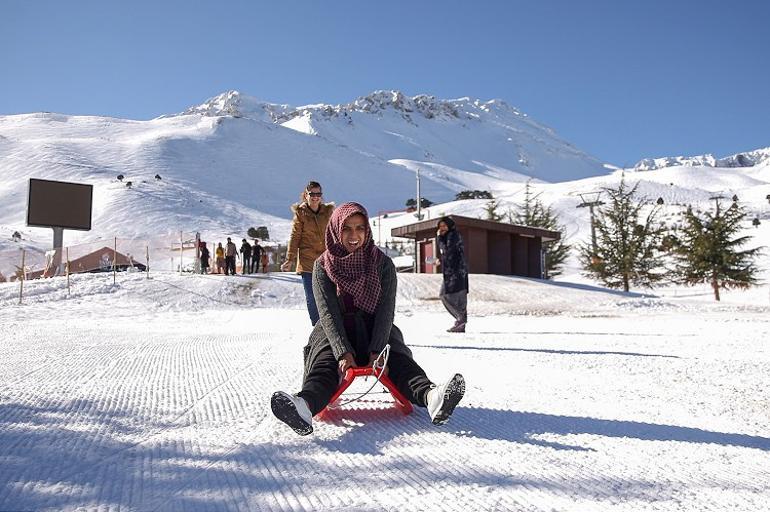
[153,395]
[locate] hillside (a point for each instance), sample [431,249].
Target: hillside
[235,162]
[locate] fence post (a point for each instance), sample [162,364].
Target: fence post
[23,272]
[67,268]
[115,261]
[147,247]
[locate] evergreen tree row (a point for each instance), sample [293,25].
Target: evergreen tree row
[633,246]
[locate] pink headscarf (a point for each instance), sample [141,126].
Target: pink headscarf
[356,272]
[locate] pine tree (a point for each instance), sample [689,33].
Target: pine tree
[424,202]
[534,213]
[706,250]
[492,210]
[261,232]
[473,194]
[627,251]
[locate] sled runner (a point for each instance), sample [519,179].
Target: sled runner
[350,375]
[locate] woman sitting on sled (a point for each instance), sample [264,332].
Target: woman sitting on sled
[354,285]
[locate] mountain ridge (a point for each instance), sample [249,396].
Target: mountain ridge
[235,162]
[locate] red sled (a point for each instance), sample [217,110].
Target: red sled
[366,371]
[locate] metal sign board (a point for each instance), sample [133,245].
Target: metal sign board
[58,204]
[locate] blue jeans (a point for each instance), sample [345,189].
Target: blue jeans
[307,283]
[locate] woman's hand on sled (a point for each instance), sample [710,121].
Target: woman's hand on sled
[374,358]
[346,361]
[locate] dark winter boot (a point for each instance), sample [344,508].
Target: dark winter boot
[293,411]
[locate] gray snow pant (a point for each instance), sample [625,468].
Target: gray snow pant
[456,303]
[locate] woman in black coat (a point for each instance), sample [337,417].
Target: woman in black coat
[204,255]
[354,285]
[454,288]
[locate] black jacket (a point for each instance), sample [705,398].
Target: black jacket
[453,266]
[256,252]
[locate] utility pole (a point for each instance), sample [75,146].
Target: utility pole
[419,199]
[716,197]
[419,217]
[590,200]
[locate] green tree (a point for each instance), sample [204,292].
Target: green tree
[261,232]
[707,250]
[411,203]
[492,210]
[532,212]
[473,194]
[628,244]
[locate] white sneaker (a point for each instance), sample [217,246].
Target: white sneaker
[443,399]
[293,411]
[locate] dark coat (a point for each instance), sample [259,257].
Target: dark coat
[246,249]
[330,329]
[453,266]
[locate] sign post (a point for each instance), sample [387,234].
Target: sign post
[59,205]
[23,273]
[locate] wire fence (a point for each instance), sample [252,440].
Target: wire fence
[177,253]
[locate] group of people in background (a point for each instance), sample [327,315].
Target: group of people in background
[251,257]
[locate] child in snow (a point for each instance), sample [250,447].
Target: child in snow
[354,285]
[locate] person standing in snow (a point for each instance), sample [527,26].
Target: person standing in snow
[306,242]
[204,257]
[265,260]
[220,254]
[256,256]
[355,286]
[454,288]
[245,257]
[231,252]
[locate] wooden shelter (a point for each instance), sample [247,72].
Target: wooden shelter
[490,247]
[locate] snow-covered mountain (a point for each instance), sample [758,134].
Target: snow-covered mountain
[235,104]
[745,159]
[489,138]
[234,162]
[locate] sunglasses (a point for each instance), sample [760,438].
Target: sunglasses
[315,194]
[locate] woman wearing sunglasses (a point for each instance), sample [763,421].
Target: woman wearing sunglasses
[306,242]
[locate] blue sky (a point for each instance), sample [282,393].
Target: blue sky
[622,80]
